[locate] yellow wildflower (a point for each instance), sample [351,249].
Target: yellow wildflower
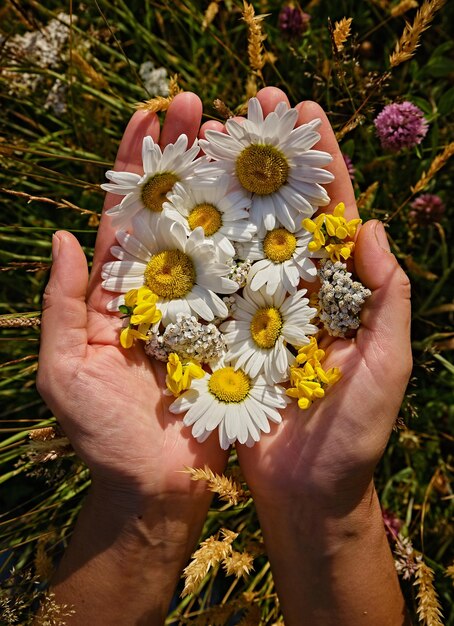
[337,229]
[131,298]
[306,391]
[308,379]
[145,310]
[310,353]
[337,225]
[128,335]
[338,250]
[315,227]
[180,375]
[140,305]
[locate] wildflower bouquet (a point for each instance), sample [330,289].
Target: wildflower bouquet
[212,250]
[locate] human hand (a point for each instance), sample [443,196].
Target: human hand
[109,400]
[312,477]
[328,452]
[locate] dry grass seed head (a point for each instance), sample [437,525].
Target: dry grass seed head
[403,7]
[439,161]
[429,610]
[222,109]
[349,126]
[154,105]
[341,32]
[211,553]
[256,37]
[450,572]
[238,564]
[174,87]
[409,40]
[227,488]
[366,198]
[210,13]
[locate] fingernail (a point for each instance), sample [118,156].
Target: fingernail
[380,236]
[55,247]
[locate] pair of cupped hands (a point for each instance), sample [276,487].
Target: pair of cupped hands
[110,403]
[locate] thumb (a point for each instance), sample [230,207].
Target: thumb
[384,334]
[64,315]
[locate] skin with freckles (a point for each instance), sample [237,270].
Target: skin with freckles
[311,478]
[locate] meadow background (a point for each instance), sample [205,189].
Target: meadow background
[70,76]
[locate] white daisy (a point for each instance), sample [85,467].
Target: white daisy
[239,405]
[262,325]
[162,170]
[182,271]
[281,258]
[222,215]
[272,162]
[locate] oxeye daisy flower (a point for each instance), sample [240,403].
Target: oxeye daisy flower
[228,399]
[262,325]
[273,163]
[281,258]
[182,271]
[162,170]
[206,203]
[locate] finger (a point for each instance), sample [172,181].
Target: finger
[384,334]
[129,159]
[340,190]
[211,125]
[183,116]
[64,316]
[269,98]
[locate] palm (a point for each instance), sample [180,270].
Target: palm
[332,445]
[110,400]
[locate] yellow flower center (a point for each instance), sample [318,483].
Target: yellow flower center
[279,245]
[207,216]
[266,327]
[228,385]
[262,169]
[170,274]
[156,188]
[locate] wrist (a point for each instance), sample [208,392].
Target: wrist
[133,548]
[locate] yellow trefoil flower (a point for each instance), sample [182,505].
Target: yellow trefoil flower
[338,250]
[315,227]
[145,311]
[308,379]
[337,225]
[128,335]
[180,375]
[337,229]
[141,304]
[310,353]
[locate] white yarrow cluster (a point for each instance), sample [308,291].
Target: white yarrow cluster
[44,48]
[154,79]
[192,340]
[340,298]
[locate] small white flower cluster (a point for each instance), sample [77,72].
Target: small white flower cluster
[154,79]
[239,271]
[43,48]
[189,339]
[340,298]
[215,245]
